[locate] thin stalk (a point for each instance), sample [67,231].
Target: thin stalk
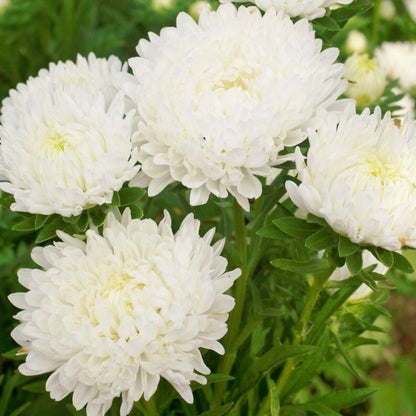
[227,362]
[300,331]
[376,21]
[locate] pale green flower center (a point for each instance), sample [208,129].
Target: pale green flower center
[55,145]
[378,167]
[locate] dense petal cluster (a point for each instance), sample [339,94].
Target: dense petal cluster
[342,273]
[310,9]
[398,59]
[216,106]
[66,138]
[360,176]
[111,315]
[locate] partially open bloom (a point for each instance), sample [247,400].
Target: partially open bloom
[356,42]
[216,105]
[342,273]
[398,59]
[66,138]
[366,79]
[310,9]
[111,315]
[360,176]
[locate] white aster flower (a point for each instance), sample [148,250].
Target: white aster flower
[218,100]
[366,79]
[66,139]
[398,59]
[387,9]
[356,42]
[342,273]
[111,315]
[411,8]
[310,9]
[360,176]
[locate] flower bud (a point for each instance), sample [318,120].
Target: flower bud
[356,42]
[366,79]
[387,9]
[160,5]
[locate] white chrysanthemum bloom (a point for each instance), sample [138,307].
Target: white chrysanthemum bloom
[111,315]
[356,42]
[66,139]
[310,9]
[398,59]
[366,79]
[216,106]
[411,8]
[360,176]
[342,273]
[387,9]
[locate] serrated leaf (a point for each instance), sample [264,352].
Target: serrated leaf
[129,195]
[301,375]
[354,262]
[272,232]
[28,224]
[345,398]
[219,411]
[321,240]
[401,263]
[346,247]
[295,227]
[301,267]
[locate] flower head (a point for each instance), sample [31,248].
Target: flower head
[111,315]
[366,79]
[360,176]
[66,138]
[398,59]
[216,105]
[310,9]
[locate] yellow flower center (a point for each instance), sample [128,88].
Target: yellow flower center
[378,167]
[56,144]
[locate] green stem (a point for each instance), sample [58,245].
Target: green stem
[227,362]
[300,331]
[376,22]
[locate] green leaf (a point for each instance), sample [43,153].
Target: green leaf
[82,224]
[21,409]
[368,279]
[271,359]
[322,239]
[271,231]
[355,262]
[385,256]
[328,309]
[115,202]
[301,375]
[136,211]
[35,387]
[316,408]
[97,216]
[40,220]
[49,231]
[342,14]
[401,263]
[295,227]
[6,200]
[346,247]
[28,224]
[219,411]
[345,398]
[13,355]
[301,267]
[345,355]
[129,196]
[327,23]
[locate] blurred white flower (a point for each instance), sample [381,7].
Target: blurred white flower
[3,5]
[398,59]
[342,273]
[387,9]
[366,79]
[111,315]
[197,7]
[309,9]
[216,105]
[360,176]
[66,138]
[411,8]
[160,5]
[356,42]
